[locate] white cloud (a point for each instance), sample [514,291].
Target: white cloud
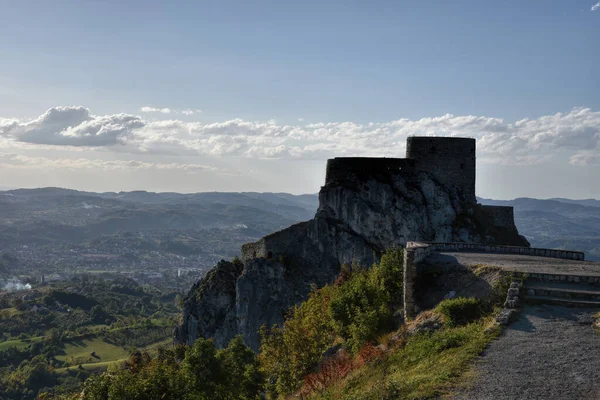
[596,6]
[147,109]
[11,160]
[584,158]
[188,111]
[191,112]
[527,141]
[72,126]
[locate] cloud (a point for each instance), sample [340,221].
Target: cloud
[191,112]
[147,109]
[584,158]
[527,141]
[11,160]
[596,6]
[72,126]
[188,111]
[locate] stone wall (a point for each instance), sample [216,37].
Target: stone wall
[450,160]
[343,168]
[529,251]
[276,244]
[414,253]
[500,216]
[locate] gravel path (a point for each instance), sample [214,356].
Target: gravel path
[549,353]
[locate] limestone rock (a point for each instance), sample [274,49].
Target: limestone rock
[209,308]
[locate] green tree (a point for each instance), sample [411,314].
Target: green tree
[202,369]
[241,377]
[391,273]
[290,353]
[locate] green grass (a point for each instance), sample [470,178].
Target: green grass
[7,313]
[430,365]
[78,352]
[97,327]
[20,344]
[13,343]
[93,367]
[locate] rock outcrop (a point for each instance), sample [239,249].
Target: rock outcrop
[362,211]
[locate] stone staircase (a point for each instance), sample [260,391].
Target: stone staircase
[562,290]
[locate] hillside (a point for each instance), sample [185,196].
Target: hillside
[170,237]
[54,336]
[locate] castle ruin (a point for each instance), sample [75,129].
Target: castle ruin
[366,206]
[449,161]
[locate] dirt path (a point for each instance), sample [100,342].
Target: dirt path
[549,353]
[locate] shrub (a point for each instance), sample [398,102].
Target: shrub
[460,311]
[363,302]
[357,308]
[369,353]
[330,370]
[359,311]
[290,353]
[391,272]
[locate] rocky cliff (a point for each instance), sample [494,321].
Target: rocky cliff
[359,216]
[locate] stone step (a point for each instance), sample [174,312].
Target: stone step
[565,278]
[562,289]
[560,301]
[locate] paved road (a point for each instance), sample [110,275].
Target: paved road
[517,262]
[549,353]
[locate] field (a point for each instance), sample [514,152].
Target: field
[6,313]
[19,344]
[92,367]
[79,352]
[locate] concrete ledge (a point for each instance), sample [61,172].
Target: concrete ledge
[482,248]
[415,252]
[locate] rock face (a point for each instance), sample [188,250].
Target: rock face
[210,305]
[366,206]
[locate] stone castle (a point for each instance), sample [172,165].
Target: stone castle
[365,206]
[450,162]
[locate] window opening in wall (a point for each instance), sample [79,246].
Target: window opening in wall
[269,255]
[462,165]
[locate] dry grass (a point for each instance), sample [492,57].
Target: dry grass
[423,316]
[430,365]
[483,269]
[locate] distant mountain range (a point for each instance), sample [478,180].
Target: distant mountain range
[48,216]
[55,215]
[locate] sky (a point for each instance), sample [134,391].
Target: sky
[194,96]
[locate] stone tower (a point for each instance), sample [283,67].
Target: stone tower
[450,160]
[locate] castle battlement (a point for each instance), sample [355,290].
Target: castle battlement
[450,161]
